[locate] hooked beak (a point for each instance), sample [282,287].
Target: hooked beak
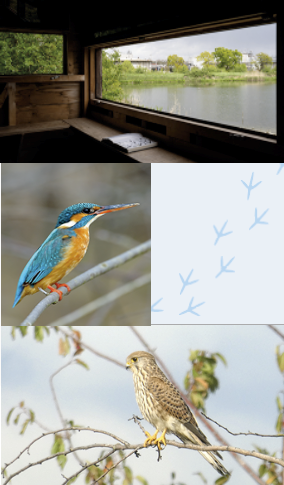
[112,208]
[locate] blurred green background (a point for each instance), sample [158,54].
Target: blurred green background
[33,195]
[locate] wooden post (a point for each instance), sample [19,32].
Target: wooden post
[92,73]
[86,95]
[12,104]
[98,71]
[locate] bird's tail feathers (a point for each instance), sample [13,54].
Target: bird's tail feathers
[214,462]
[208,455]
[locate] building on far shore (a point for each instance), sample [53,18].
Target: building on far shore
[137,61]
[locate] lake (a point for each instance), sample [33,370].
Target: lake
[246,105]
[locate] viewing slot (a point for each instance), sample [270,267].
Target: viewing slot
[226,77]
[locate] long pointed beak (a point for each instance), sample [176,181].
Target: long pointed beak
[112,208]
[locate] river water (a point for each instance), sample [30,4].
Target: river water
[246,105]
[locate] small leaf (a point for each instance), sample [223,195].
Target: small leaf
[23,330]
[262,470]
[9,415]
[22,403]
[78,334]
[80,362]
[141,480]
[279,403]
[278,425]
[64,346]
[58,447]
[17,418]
[32,416]
[39,334]
[221,357]
[24,426]
[281,362]
[222,480]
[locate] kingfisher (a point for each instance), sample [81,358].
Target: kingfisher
[64,248]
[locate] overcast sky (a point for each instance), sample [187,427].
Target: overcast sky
[103,397]
[255,39]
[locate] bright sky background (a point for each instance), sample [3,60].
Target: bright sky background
[255,39]
[103,397]
[187,201]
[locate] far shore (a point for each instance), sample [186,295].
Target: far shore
[166,77]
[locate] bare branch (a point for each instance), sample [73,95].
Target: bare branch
[71,335]
[103,300]
[85,277]
[276,331]
[246,434]
[124,445]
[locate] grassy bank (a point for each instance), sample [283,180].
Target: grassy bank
[166,77]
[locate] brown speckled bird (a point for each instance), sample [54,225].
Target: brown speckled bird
[162,405]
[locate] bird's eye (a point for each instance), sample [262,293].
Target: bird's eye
[134,359]
[88,211]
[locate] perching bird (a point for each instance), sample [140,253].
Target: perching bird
[162,405]
[62,250]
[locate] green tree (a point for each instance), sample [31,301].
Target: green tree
[206,58]
[30,53]
[127,66]
[176,62]
[263,60]
[111,76]
[227,58]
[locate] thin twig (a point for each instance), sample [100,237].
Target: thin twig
[246,434]
[72,335]
[276,330]
[73,428]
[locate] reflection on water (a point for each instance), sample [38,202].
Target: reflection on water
[250,105]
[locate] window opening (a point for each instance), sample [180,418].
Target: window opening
[224,77]
[30,54]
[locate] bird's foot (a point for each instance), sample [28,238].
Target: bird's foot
[153,440]
[160,440]
[150,440]
[58,291]
[63,284]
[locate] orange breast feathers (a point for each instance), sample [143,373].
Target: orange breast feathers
[74,253]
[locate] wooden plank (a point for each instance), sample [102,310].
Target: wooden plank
[12,104]
[41,78]
[93,128]
[40,102]
[86,93]
[3,96]
[98,71]
[33,128]
[92,73]
[98,131]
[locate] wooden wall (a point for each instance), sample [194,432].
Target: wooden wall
[47,101]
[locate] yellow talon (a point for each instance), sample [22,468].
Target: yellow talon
[153,440]
[150,439]
[160,440]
